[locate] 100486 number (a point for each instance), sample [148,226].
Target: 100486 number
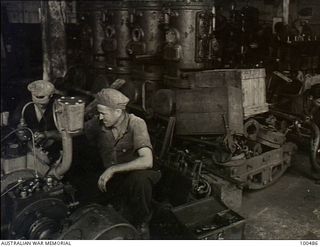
[310,242]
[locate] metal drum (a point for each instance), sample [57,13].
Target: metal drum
[188,35]
[95,222]
[145,24]
[97,28]
[147,40]
[115,21]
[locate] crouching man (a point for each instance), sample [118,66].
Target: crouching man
[124,145]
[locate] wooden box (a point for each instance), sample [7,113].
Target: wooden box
[251,81]
[201,111]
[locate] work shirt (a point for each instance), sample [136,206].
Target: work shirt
[120,143]
[45,123]
[40,124]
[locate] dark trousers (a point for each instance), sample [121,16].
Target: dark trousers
[134,189]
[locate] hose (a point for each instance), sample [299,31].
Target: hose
[59,170]
[23,110]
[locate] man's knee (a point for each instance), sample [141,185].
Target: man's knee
[143,178]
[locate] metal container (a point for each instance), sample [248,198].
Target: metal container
[95,222]
[147,38]
[115,22]
[188,34]
[69,114]
[205,219]
[98,34]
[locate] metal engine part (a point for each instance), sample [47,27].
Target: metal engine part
[271,138]
[35,208]
[98,223]
[259,171]
[188,35]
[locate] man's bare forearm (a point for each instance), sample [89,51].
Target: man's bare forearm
[144,161]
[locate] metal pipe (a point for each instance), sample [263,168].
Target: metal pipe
[59,170]
[22,120]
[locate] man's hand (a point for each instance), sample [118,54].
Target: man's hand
[39,137]
[104,178]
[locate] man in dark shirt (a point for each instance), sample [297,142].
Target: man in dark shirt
[37,115]
[126,151]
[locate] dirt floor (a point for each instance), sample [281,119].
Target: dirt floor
[289,209]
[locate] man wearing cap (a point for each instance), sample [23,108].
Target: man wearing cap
[38,116]
[125,148]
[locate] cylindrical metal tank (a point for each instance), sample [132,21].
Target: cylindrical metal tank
[111,35]
[188,34]
[147,36]
[96,222]
[116,37]
[99,56]
[145,46]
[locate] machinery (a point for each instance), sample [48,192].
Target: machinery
[208,117]
[35,203]
[296,103]
[211,126]
[293,86]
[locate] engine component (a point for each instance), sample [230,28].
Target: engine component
[146,32]
[188,35]
[99,223]
[271,138]
[97,29]
[228,192]
[115,20]
[35,208]
[254,148]
[259,171]
[251,128]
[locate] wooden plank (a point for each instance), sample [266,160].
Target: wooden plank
[254,91]
[254,110]
[252,73]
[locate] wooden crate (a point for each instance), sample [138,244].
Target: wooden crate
[200,111]
[251,81]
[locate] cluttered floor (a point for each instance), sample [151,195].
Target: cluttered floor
[288,209]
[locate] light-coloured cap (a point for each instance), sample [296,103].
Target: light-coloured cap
[112,98]
[41,88]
